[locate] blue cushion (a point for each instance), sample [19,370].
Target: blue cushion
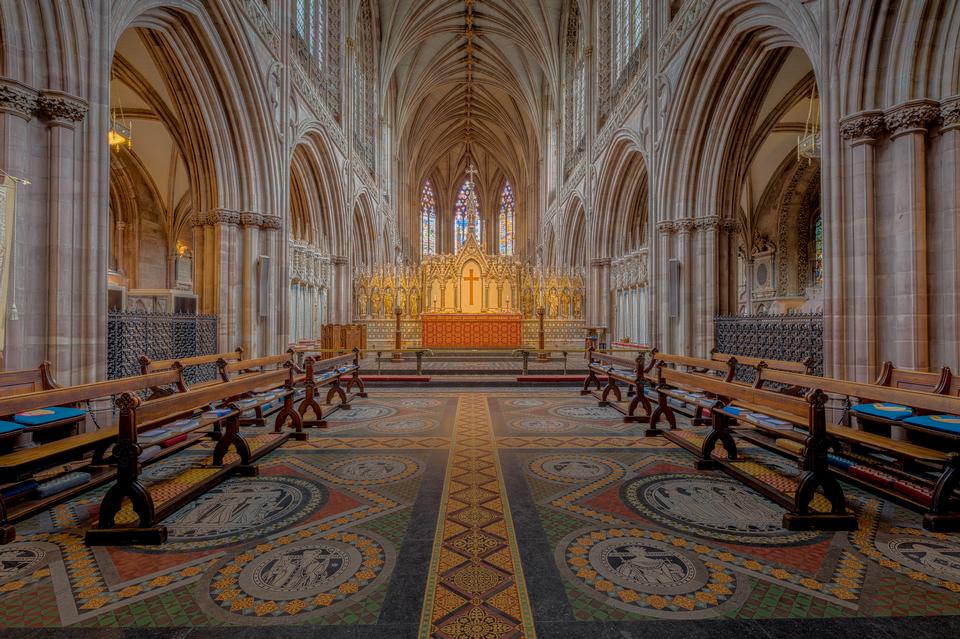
[943,423]
[62,483]
[732,410]
[47,415]
[9,427]
[884,410]
[839,462]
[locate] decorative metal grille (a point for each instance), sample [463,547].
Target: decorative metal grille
[159,336]
[785,337]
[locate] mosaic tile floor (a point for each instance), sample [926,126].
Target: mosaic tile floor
[498,514]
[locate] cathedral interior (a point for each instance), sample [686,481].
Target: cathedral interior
[479,319]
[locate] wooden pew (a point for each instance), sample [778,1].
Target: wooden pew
[855,455]
[627,370]
[265,401]
[329,371]
[689,401]
[34,380]
[802,436]
[152,366]
[141,525]
[18,467]
[874,418]
[747,364]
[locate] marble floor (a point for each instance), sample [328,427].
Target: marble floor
[485,514]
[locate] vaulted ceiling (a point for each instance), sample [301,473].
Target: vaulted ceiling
[516,53]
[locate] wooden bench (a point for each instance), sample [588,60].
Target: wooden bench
[627,370]
[688,401]
[330,371]
[263,402]
[18,468]
[873,417]
[799,433]
[34,380]
[746,365]
[864,458]
[152,366]
[139,522]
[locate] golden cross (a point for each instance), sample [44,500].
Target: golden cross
[471,278]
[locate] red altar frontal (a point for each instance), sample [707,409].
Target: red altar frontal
[471,330]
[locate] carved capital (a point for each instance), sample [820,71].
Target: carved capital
[912,116]
[338,260]
[216,216]
[708,223]
[271,222]
[866,125]
[251,219]
[950,112]
[728,224]
[666,227]
[685,225]
[17,98]
[61,108]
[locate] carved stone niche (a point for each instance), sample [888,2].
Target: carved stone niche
[763,274]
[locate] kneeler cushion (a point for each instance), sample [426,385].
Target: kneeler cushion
[944,423]
[873,475]
[839,462]
[149,453]
[914,491]
[174,440]
[47,415]
[20,488]
[62,483]
[7,428]
[884,410]
[789,444]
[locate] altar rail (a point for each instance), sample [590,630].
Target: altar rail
[380,332]
[159,336]
[786,337]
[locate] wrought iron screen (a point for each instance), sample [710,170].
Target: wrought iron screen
[159,336]
[785,337]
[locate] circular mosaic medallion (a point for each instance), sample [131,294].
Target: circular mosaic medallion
[404,425]
[19,560]
[525,402]
[647,573]
[584,412]
[543,425]
[939,558]
[369,470]
[420,403]
[362,413]
[282,581]
[239,510]
[713,507]
[572,469]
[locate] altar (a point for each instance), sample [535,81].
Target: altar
[472,330]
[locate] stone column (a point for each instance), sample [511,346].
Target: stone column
[65,275]
[708,293]
[274,327]
[908,124]
[342,313]
[18,103]
[249,297]
[861,130]
[221,291]
[950,132]
[665,339]
[684,231]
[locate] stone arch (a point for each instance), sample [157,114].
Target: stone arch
[314,176]
[365,241]
[574,229]
[619,225]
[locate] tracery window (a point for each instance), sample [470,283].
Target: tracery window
[316,39]
[505,220]
[460,221]
[629,25]
[428,220]
[575,81]
[818,251]
[364,104]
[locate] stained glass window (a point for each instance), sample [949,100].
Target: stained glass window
[629,26]
[505,220]
[364,108]
[428,220]
[460,221]
[311,22]
[818,251]
[316,26]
